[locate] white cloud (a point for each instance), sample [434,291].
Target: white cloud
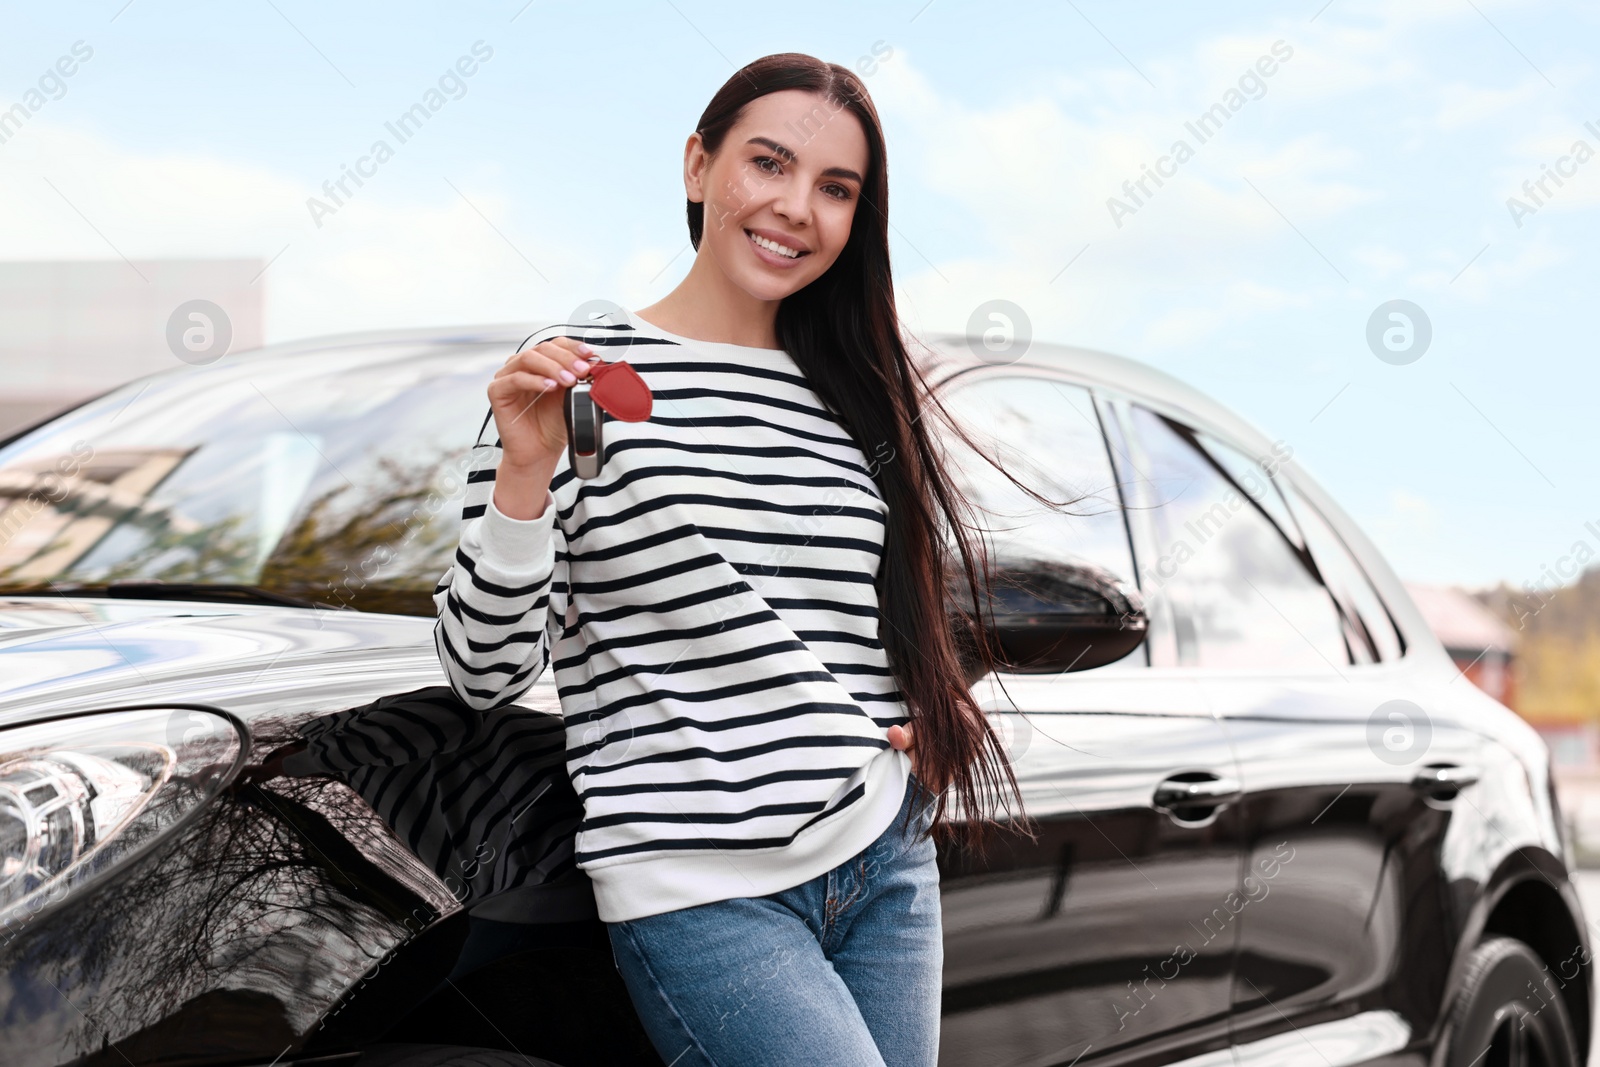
[1506,263]
[1461,105]
[1380,260]
[384,258]
[1036,174]
[1242,301]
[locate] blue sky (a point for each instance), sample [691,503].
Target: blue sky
[1373,164]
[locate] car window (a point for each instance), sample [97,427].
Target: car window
[1047,434]
[323,477]
[1370,627]
[1227,565]
[1256,480]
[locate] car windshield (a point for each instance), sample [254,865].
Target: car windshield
[332,476]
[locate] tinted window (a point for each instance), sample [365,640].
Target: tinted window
[1369,628]
[331,476]
[1227,564]
[1046,433]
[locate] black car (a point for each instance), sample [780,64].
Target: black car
[243,819]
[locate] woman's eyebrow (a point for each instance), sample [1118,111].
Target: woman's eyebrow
[789,157]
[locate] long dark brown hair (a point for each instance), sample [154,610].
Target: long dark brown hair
[843,332]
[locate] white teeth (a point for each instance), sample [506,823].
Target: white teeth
[773,246]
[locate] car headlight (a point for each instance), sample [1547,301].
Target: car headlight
[80,795]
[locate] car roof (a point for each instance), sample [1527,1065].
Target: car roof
[953,353]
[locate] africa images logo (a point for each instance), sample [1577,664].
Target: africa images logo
[1202,128]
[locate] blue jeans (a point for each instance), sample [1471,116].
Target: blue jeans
[844,969]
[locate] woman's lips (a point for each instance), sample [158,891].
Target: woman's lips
[771,258]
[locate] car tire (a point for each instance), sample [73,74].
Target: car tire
[445,1056]
[1506,1009]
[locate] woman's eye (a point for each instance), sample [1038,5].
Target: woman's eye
[835,190]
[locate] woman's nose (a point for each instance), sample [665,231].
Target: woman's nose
[793,206]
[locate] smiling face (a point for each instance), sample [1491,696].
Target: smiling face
[781,193]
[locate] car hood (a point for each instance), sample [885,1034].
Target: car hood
[60,653]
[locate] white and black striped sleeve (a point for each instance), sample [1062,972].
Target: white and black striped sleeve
[502,602]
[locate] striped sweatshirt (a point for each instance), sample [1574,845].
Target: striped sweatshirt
[708,609]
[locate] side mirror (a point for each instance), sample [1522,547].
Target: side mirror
[1046,617]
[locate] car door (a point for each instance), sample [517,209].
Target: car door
[1348,779]
[1108,937]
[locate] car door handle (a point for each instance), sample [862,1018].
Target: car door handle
[1444,778]
[1180,793]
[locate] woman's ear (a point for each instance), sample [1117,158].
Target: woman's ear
[695,164]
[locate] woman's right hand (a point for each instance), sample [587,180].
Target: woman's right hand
[526,397]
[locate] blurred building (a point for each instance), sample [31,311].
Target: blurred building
[38,541]
[1485,649]
[1481,645]
[71,329]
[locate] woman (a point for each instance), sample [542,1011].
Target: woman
[745,611]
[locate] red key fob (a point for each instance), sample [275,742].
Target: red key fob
[617,389]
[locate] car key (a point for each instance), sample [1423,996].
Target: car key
[613,388]
[584,441]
